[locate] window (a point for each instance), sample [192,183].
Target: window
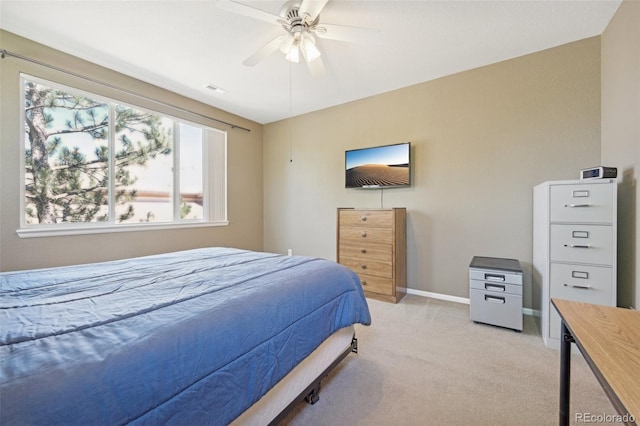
[93,164]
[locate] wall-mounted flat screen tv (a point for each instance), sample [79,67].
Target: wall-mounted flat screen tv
[378,166]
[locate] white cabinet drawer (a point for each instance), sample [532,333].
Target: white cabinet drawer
[495,276]
[504,310]
[582,283]
[496,287]
[582,244]
[582,203]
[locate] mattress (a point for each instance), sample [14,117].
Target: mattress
[189,337]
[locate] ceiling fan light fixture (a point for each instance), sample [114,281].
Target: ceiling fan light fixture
[309,49]
[287,43]
[293,55]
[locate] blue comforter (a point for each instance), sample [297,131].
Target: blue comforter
[190,337]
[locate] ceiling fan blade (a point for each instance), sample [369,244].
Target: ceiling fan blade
[265,51]
[347,33]
[311,8]
[316,68]
[251,12]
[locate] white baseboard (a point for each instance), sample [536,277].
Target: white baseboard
[532,312]
[463,300]
[439,296]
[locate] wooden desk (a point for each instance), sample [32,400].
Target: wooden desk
[609,340]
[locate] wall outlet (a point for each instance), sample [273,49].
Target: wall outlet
[289,252]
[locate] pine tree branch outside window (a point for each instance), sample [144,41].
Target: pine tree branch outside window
[94,161]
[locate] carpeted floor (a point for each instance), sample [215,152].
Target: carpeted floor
[423,362]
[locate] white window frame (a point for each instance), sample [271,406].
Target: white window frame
[214,166]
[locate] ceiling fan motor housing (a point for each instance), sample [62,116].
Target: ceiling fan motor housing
[296,24]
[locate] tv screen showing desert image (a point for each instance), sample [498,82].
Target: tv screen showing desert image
[377,167]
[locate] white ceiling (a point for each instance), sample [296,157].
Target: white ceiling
[185,45]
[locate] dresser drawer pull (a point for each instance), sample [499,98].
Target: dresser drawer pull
[363,218]
[583,275]
[363,266]
[580,246]
[580,287]
[580,234]
[580,193]
[494,277]
[363,251]
[496,287]
[364,282]
[364,234]
[494,299]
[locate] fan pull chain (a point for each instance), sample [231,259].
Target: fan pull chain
[290,113]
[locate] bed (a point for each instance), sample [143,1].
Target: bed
[204,336]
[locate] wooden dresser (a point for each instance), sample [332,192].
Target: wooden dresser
[372,242]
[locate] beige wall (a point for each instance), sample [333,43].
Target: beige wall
[621,138]
[244,171]
[481,140]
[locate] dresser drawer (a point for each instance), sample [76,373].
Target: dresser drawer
[367,266]
[366,250]
[582,244]
[582,203]
[351,234]
[375,284]
[496,287]
[371,218]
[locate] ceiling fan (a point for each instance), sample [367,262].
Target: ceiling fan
[301,21]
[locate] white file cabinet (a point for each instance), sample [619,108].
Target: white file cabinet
[495,291]
[574,246]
